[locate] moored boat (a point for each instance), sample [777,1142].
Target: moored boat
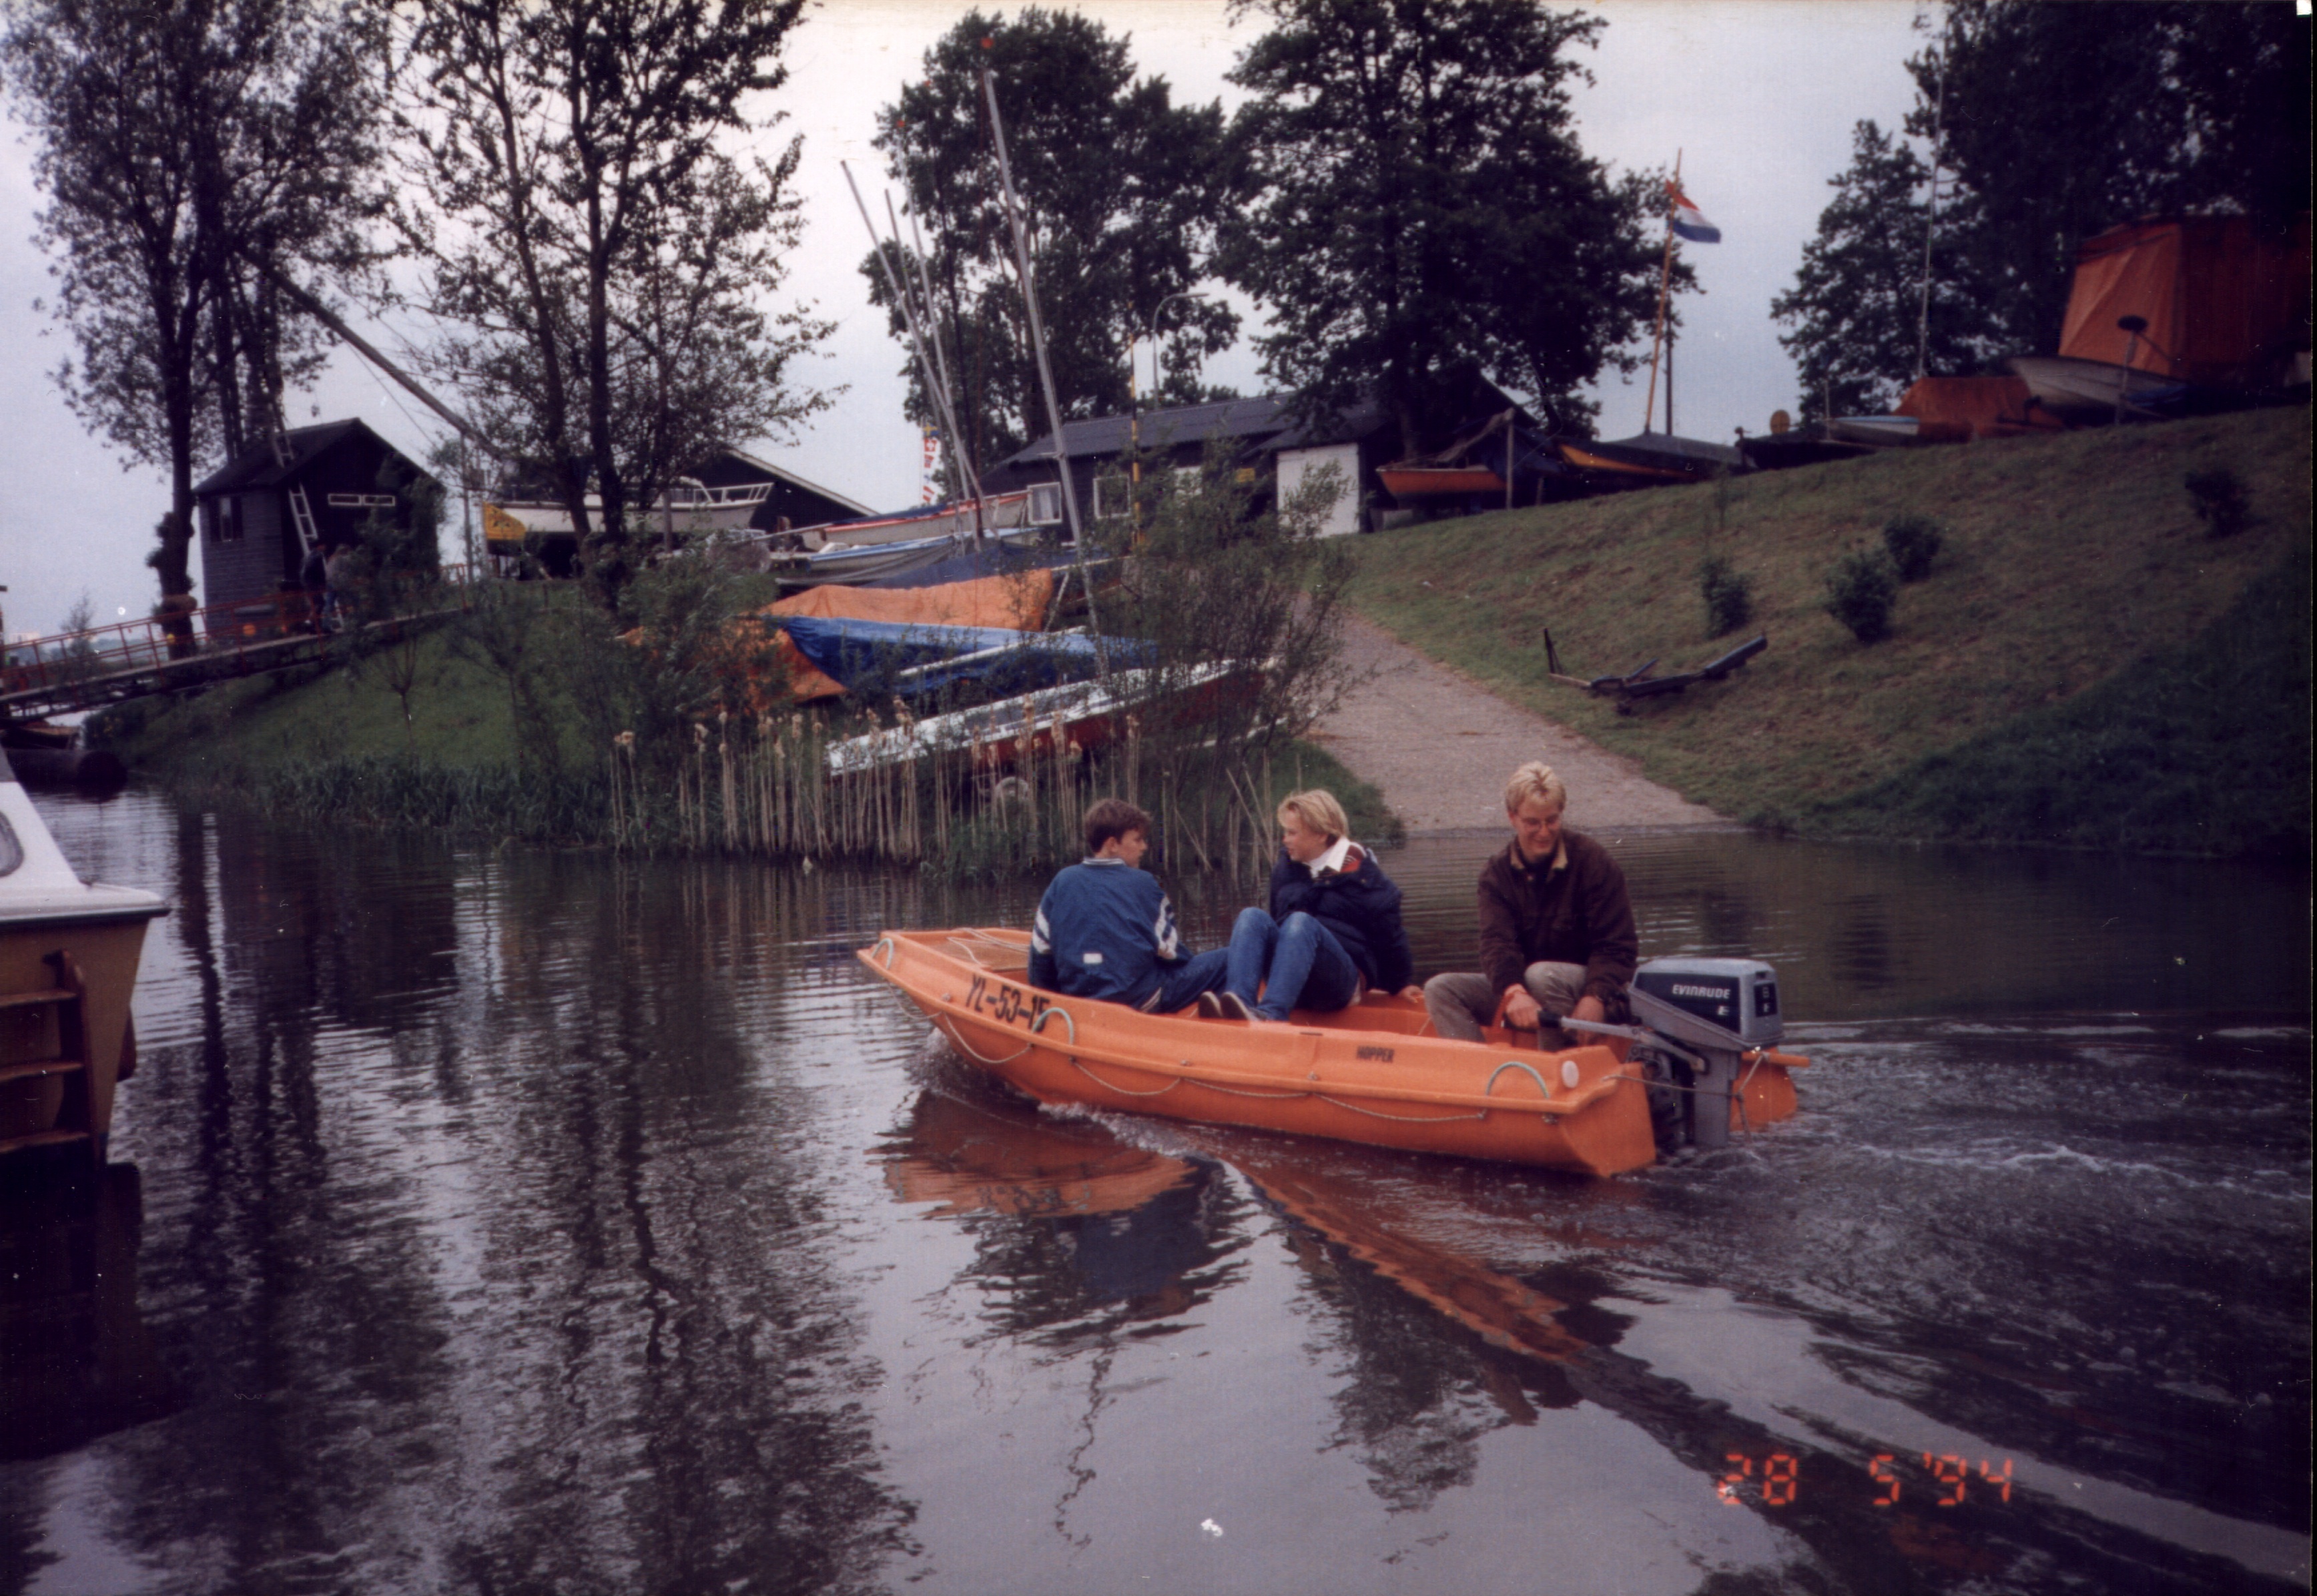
[1084,715]
[1371,1072]
[1436,482]
[68,955]
[2082,391]
[1648,458]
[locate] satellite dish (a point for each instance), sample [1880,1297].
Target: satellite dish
[1780,422]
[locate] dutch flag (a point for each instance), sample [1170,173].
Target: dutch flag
[1688,221]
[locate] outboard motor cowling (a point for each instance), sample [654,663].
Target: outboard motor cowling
[1713,1011]
[1738,994]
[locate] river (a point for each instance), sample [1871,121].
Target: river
[493,1220]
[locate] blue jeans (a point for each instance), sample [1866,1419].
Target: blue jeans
[1180,986]
[1297,961]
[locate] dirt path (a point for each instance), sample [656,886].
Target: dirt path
[1441,745]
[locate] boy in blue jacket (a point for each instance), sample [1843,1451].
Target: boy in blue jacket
[1105,929]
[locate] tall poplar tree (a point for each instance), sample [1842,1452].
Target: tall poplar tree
[180,145]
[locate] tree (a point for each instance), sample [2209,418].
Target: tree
[1426,211]
[1856,302]
[180,146]
[604,257]
[1123,190]
[2058,122]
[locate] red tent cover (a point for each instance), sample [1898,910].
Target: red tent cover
[2225,305]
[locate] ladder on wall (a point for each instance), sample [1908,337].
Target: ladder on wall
[28,1028]
[301,516]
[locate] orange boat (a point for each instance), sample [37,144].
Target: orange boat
[1373,1073]
[1435,482]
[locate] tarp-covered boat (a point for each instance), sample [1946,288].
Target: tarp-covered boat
[909,659]
[1367,1073]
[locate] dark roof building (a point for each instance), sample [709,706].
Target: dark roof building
[788,496]
[260,512]
[1261,432]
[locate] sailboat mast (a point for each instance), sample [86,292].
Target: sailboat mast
[1930,229]
[934,387]
[1045,367]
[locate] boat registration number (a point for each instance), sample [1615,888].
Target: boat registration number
[1005,1004]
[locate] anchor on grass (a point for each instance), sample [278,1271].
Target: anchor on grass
[1637,683]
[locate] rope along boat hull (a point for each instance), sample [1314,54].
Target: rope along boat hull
[1368,1073]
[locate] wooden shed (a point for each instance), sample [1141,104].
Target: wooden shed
[259,512]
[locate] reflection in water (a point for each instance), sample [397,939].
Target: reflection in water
[76,1359]
[534,1222]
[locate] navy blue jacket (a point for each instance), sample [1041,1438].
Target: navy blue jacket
[1105,929]
[1360,904]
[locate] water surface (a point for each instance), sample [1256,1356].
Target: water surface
[490,1220]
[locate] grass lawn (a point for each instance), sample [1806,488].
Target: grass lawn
[2069,562]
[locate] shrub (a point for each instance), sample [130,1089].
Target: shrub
[1913,541]
[2220,500]
[1860,591]
[1729,596]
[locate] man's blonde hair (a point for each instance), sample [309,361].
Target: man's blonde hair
[1316,810]
[1535,779]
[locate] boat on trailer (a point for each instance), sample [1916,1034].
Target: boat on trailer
[68,956]
[1376,1072]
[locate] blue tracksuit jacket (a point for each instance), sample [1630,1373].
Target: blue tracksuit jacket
[1105,929]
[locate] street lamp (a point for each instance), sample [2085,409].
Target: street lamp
[1134,387]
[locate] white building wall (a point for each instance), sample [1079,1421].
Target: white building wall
[1344,514]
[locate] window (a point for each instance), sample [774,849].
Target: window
[225,519]
[361,501]
[1045,504]
[1113,495]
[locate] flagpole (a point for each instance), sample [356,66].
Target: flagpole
[1664,281]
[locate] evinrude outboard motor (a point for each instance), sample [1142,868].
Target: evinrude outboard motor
[1705,1018]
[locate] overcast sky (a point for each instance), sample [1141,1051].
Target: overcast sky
[1758,96]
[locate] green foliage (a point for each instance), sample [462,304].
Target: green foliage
[2201,748]
[683,663]
[606,262]
[1126,189]
[1426,213]
[2221,502]
[1856,302]
[1729,595]
[1913,543]
[1861,591]
[1215,577]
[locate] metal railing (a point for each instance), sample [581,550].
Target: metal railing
[102,665]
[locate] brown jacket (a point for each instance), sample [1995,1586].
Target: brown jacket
[1570,909]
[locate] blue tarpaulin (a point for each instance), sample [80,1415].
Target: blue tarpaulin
[894,656]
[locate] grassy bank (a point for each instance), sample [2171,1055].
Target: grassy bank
[2084,665]
[474,759]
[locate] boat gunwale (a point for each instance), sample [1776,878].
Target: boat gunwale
[1550,1108]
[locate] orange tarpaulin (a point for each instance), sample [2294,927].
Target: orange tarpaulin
[1018,601]
[2225,306]
[1975,407]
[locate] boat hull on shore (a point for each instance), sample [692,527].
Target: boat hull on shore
[68,956]
[1373,1073]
